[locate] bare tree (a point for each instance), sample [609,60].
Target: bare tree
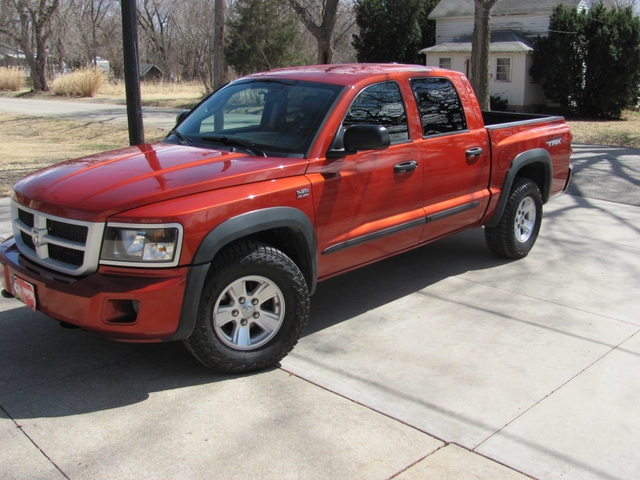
[155,18]
[480,51]
[320,20]
[28,23]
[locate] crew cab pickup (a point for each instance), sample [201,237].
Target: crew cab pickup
[218,234]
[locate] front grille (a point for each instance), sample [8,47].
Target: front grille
[64,245]
[27,240]
[66,255]
[68,231]
[25,217]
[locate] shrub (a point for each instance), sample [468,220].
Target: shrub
[498,104]
[11,78]
[81,83]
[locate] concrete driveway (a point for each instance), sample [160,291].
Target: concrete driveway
[444,362]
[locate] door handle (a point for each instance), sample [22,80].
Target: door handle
[404,167]
[474,152]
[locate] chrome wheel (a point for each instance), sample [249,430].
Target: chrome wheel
[525,220]
[248,313]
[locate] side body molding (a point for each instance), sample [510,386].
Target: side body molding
[239,227]
[530,157]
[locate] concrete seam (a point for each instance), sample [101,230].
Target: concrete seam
[20,427]
[613,349]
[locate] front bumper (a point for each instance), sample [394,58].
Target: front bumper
[125,304]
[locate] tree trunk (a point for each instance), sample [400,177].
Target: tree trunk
[323,32]
[480,51]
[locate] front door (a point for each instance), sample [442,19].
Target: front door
[369,205]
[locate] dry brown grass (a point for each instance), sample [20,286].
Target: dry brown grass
[620,133]
[81,83]
[11,78]
[31,143]
[168,95]
[156,94]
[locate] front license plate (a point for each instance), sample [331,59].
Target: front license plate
[25,292]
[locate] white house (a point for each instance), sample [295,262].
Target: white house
[514,25]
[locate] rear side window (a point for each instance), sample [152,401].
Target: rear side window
[439,105]
[380,104]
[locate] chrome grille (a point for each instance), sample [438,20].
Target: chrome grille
[64,245]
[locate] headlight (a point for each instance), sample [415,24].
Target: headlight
[142,244]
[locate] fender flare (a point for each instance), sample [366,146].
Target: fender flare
[229,231]
[536,155]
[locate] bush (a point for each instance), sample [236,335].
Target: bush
[81,83]
[11,78]
[590,62]
[498,104]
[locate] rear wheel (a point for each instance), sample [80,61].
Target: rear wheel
[253,309]
[518,228]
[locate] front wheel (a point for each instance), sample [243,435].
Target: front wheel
[518,228]
[253,309]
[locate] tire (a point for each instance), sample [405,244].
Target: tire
[253,309]
[516,232]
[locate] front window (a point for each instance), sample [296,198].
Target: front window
[503,70]
[261,117]
[380,104]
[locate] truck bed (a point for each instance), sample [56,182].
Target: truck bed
[494,120]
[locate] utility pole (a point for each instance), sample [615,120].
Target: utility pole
[218,45]
[132,71]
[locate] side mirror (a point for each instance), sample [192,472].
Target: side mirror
[366,137]
[358,137]
[181,116]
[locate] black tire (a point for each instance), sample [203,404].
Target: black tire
[518,228]
[253,309]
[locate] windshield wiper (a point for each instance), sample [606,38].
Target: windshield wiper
[183,139]
[234,142]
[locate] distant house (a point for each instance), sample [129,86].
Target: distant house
[514,26]
[150,72]
[11,57]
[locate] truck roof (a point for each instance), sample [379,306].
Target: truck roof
[348,73]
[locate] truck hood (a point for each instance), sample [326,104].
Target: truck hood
[96,187]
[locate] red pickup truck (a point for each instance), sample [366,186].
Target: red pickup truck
[218,235]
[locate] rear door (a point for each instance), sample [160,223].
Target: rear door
[456,159]
[369,205]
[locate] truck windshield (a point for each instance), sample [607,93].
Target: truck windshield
[261,117]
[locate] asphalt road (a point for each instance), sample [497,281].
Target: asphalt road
[86,111]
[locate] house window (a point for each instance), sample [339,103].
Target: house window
[445,62]
[503,70]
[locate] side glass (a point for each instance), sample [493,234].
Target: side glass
[440,107]
[380,104]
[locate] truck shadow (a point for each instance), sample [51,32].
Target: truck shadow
[354,293]
[47,372]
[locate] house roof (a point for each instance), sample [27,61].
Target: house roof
[465,8]
[145,68]
[501,41]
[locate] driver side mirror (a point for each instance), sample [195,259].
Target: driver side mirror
[181,116]
[360,137]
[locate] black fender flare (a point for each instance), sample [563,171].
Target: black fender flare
[536,155]
[233,229]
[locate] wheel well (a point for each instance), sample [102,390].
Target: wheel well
[536,172]
[292,243]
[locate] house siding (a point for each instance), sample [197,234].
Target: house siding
[450,29]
